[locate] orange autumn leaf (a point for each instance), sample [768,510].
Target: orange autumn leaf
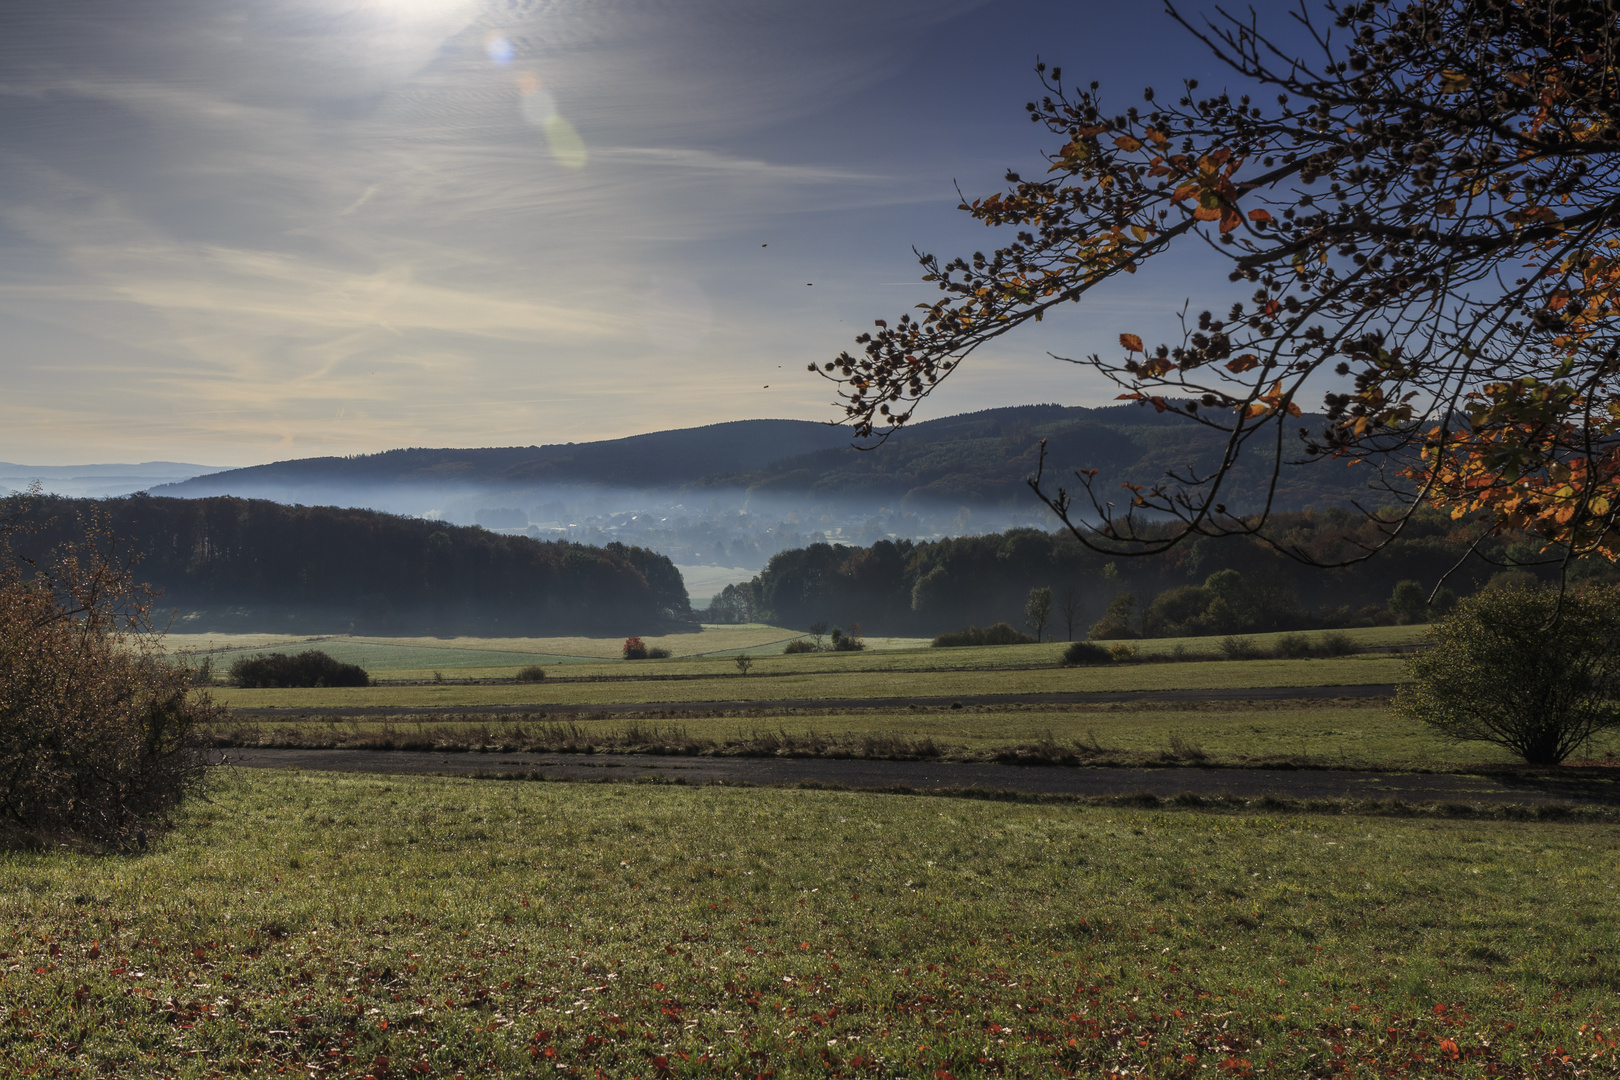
[1131,342]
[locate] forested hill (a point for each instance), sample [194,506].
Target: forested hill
[974,459]
[905,588]
[226,563]
[659,459]
[983,458]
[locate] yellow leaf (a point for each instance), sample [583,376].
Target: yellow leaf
[1139,232]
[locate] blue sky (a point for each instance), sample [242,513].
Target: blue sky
[235,231]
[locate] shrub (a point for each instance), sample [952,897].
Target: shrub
[799,645]
[99,730]
[532,673]
[851,642]
[744,663]
[1335,643]
[657,652]
[1239,648]
[999,634]
[1294,646]
[307,669]
[1121,653]
[1085,654]
[1521,668]
[635,649]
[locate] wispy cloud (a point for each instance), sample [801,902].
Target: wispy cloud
[243,229]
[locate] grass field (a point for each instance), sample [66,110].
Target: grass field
[414,658]
[418,655]
[776,679]
[343,926]
[1327,734]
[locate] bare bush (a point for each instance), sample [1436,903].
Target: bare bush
[98,728]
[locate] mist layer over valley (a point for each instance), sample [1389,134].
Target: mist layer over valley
[720,500]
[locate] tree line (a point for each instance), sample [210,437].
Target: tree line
[900,587]
[219,562]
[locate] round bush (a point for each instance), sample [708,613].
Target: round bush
[799,645]
[532,673]
[1522,668]
[313,668]
[1085,654]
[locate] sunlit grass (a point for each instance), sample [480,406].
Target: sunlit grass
[780,679]
[437,926]
[454,653]
[468,657]
[1344,734]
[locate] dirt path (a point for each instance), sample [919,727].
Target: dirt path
[1584,786]
[1077,697]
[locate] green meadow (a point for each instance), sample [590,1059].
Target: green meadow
[1344,733]
[326,925]
[784,678]
[337,925]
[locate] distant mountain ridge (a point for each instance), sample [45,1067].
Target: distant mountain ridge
[658,459]
[979,458]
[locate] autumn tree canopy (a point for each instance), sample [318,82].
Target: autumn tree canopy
[1425,204]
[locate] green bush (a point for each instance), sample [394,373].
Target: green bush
[1525,669]
[312,668]
[999,634]
[850,642]
[657,652]
[1335,643]
[1085,654]
[799,645]
[530,674]
[1294,647]
[1239,648]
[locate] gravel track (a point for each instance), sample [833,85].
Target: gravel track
[1077,697]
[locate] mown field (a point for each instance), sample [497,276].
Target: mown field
[417,657]
[826,704]
[351,926]
[391,659]
[1341,733]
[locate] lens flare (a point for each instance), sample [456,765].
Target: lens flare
[498,47]
[566,145]
[537,105]
[539,108]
